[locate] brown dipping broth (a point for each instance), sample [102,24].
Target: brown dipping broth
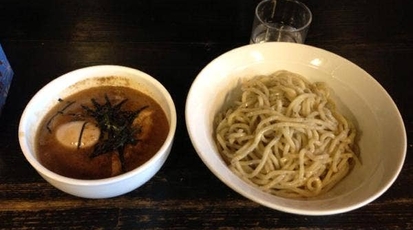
[78,163]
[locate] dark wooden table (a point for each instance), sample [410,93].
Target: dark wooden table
[172,40]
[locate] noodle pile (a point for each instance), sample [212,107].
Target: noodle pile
[285,136]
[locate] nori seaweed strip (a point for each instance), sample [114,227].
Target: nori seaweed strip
[79,141]
[60,112]
[116,125]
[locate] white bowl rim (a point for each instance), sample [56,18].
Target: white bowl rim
[110,180]
[190,101]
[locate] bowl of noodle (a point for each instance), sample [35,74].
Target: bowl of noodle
[296,128]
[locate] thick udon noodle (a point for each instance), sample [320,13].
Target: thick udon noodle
[285,136]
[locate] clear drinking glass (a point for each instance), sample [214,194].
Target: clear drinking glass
[281,20]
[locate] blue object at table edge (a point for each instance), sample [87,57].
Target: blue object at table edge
[6,76]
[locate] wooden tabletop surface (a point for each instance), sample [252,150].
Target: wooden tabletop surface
[173,40]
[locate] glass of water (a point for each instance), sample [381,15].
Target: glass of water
[281,20]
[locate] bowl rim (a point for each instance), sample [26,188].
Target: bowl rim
[239,51]
[104,181]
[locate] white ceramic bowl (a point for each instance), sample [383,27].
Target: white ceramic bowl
[383,137]
[48,96]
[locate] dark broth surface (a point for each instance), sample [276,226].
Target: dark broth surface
[78,162]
